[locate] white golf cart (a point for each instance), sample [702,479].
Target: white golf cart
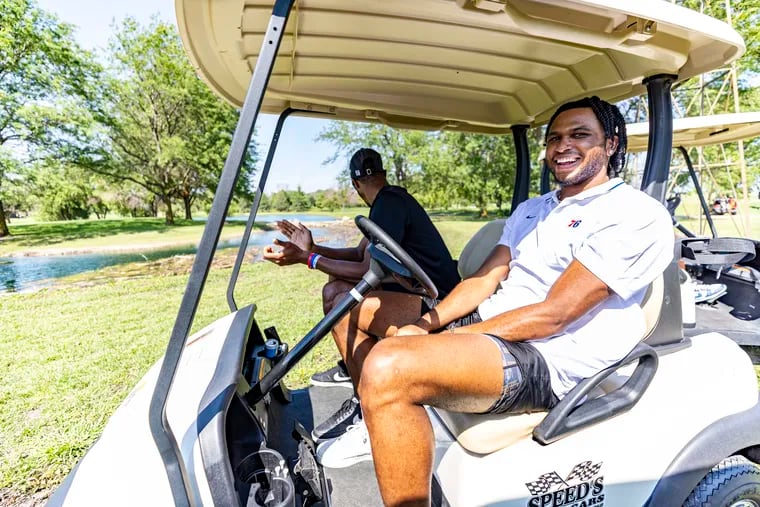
[675,423]
[733,262]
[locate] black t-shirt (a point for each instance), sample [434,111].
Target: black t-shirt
[402,217]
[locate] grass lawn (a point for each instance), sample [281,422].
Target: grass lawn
[137,233]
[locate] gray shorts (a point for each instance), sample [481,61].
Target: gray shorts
[520,361]
[527,385]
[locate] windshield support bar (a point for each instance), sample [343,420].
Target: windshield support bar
[256,202]
[522,169]
[659,145]
[159,424]
[698,187]
[370,281]
[545,178]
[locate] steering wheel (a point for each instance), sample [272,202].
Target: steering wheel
[392,257]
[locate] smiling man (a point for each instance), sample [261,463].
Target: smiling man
[557,300]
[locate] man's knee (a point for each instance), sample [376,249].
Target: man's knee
[383,374]
[331,291]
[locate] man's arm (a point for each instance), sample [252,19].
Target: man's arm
[575,293]
[467,294]
[301,236]
[343,269]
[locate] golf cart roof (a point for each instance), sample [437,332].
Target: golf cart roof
[471,65]
[700,130]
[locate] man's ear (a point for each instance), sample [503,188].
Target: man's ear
[612,145]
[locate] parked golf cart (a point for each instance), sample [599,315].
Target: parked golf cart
[714,260]
[212,423]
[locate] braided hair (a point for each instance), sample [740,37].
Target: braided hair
[613,125]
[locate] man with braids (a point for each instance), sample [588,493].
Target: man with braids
[557,300]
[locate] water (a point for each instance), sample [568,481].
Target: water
[22,273]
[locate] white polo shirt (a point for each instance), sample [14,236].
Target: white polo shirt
[618,233]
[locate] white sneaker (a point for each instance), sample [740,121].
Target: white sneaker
[351,447]
[709,292]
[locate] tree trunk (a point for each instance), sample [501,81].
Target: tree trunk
[187,201]
[169,211]
[3,224]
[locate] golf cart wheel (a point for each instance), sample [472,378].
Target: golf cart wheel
[734,482]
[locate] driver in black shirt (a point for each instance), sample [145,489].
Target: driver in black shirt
[401,216]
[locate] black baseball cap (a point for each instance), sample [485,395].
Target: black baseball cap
[365,162]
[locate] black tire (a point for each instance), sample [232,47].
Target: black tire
[735,481]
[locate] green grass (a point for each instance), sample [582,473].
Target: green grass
[70,356]
[42,237]
[689,213]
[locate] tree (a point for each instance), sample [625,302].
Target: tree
[399,148]
[39,65]
[166,131]
[487,167]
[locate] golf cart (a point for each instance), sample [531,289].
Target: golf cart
[732,262]
[675,422]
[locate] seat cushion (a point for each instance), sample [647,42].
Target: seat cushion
[487,433]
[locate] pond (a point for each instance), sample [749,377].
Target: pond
[25,273]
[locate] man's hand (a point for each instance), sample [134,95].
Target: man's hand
[290,254]
[410,330]
[299,234]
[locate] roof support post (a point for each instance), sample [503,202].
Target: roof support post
[698,187]
[659,146]
[159,425]
[522,169]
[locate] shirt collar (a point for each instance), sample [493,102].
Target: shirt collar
[591,192]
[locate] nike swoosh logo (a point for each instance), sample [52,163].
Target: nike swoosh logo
[531,216]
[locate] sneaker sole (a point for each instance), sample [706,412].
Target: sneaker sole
[321,383]
[347,462]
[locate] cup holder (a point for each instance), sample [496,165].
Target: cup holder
[269,478]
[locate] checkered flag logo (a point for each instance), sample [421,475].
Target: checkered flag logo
[583,472]
[545,483]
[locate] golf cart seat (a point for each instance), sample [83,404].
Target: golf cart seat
[602,396]
[478,247]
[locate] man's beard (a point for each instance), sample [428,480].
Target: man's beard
[595,164]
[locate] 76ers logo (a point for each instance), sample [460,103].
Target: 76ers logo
[574,223]
[583,487]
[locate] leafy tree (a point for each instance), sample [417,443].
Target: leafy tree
[166,132]
[487,167]
[39,64]
[399,148]
[280,201]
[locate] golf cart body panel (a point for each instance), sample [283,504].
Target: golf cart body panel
[428,64]
[206,379]
[445,64]
[631,466]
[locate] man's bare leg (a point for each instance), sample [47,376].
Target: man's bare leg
[378,315]
[332,291]
[453,371]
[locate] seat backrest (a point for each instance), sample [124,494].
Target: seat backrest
[480,245]
[652,304]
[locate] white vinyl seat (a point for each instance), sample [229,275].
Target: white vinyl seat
[484,434]
[478,247]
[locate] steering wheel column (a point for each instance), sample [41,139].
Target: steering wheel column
[387,258]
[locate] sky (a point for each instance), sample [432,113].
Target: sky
[299,158]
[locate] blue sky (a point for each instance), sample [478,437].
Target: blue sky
[299,158]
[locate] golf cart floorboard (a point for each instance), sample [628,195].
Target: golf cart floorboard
[716,317]
[351,486]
